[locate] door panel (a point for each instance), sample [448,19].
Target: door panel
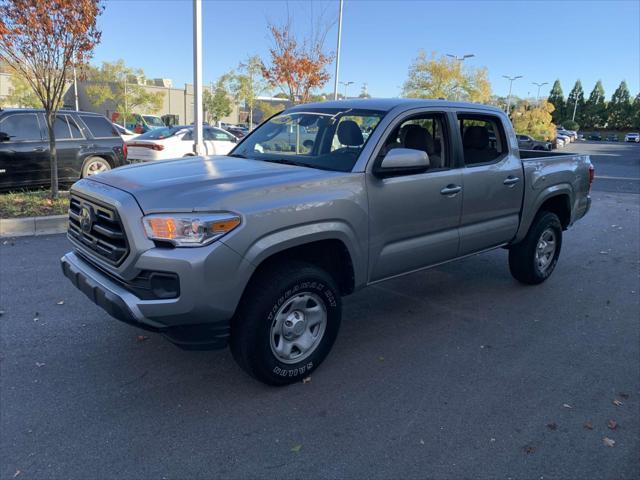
[24,158]
[493,182]
[412,224]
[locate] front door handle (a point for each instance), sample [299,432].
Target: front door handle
[511,180]
[451,189]
[39,149]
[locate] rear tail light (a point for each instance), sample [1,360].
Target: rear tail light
[125,151]
[592,175]
[151,146]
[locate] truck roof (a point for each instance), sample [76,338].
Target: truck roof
[387,104]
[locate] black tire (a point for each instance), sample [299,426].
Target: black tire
[522,257]
[89,161]
[251,328]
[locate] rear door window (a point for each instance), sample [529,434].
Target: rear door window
[483,139]
[21,127]
[74,128]
[99,127]
[61,128]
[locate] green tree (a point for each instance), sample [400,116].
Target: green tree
[443,77]
[620,109]
[124,87]
[636,112]
[21,94]
[536,121]
[248,83]
[217,105]
[556,98]
[595,109]
[575,103]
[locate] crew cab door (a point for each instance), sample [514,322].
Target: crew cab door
[24,152]
[493,181]
[414,218]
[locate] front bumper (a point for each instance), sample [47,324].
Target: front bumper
[201,331]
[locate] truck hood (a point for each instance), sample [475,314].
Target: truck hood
[207,184]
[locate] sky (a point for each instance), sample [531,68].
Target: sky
[540,40]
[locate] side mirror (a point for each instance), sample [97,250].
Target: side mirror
[403,161]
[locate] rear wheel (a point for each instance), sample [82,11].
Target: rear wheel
[95,165]
[533,260]
[287,322]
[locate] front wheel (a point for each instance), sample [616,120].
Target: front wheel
[533,260]
[286,324]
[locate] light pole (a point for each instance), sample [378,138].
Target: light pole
[460,60]
[346,84]
[198,144]
[539,85]
[335,80]
[511,80]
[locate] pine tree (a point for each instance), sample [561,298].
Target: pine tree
[575,103]
[595,109]
[556,98]
[620,109]
[636,112]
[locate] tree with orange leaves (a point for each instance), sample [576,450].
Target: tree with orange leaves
[42,40]
[297,68]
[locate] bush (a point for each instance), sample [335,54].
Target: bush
[571,125]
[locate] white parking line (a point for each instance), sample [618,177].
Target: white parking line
[618,178]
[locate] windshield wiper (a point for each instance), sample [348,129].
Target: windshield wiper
[286,161]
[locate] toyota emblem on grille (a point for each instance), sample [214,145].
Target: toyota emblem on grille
[86,218]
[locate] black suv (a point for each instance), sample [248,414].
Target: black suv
[87,143]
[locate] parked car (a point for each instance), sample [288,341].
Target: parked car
[525,142]
[125,134]
[175,142]
[256,249]
[86,144]
[143,123]
[632,137]
[565,139]
[612,137]
[570,134]
[237,132]
[557,143]
[595,137]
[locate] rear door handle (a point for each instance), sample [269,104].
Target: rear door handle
[511,180]
[451,189]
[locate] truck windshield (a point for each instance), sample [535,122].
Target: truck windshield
[329,139]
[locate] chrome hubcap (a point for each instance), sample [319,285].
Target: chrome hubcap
[95,167]
[298,327]
[546,249]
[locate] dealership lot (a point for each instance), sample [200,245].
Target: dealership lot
[454,372]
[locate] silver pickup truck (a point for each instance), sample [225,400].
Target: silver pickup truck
[256,249]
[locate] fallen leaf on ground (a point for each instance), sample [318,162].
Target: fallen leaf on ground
[621,394]
[566,405]
[306,380]
[36,317]
[552,426]
[61,302]
[38,364]
[529,449]
[296,448]
[18,472]
[381,359]
[609,442]
[617,403]
[612,424]
[142,338]
[1,312]
[421,442]
[588,425]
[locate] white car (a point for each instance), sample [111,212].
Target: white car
[566,140]
[174,142]
[570,134]
[632,137]
[125,133]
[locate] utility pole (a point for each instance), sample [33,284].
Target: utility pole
[575,107]
[75,88]
[335,80]
[460,60]
[198,145]
[511,80]
[539,85]
[346,84]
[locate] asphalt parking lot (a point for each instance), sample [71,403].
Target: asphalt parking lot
[456,372]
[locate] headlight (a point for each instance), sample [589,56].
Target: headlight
[189,229]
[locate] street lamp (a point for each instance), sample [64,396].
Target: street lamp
[335,80]
[511,80]
[346,84]
[539,85]
[460,59]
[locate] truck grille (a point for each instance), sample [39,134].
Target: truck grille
[98,229]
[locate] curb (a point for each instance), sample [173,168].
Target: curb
[28,226]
